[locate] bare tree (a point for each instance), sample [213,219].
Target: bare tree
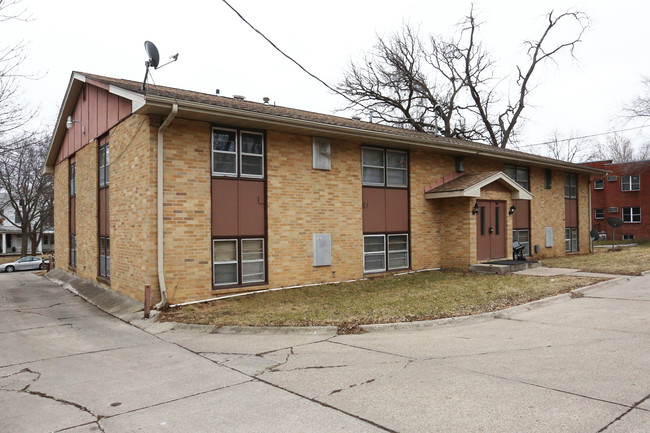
[565,149]
[14,114]
[30,193]
[618,149]
[450,86]
[640,107]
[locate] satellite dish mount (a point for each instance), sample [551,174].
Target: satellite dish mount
[154,60]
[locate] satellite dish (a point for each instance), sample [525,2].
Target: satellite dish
[614,222]
[154,60]
[152,52]
[594,234]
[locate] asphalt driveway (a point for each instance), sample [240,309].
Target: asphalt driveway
[569,365]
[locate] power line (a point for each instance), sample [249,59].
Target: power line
[584,136]
[289,57]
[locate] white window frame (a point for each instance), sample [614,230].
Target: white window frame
[227,262]
[382,253]
[572,186]
[602,212]
[627,237]
[570,240]
[405,170]
[514,171]
[632,214]
[212,152]
[599,184]
[103,167]
[383,166]
[629,180]
[252,261]
[388,252]
[240,153]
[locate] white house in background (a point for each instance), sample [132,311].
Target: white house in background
[11,236]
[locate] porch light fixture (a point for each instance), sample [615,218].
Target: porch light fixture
[70,123]
[512,209]
[475,208]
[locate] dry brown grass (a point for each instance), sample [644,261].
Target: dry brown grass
[623,260]
[422,296]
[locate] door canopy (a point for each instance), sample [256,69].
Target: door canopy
[470,185]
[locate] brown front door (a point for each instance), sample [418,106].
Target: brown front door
[490,230]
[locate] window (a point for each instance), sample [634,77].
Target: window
[231,255]
[383,167]
[374,252]
[72,178]
[104,256]
[631,214]
[571,185]
[599,184]
[571,239]
[519,175]
[398,251]
[252,260]
[548,178]
[628,237]
[103,166]
[237,153]
[523,237]
[599,213]
[630,183]
[73,251]
[224,258]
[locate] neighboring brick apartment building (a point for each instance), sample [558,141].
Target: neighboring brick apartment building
[623,193]
[248,195]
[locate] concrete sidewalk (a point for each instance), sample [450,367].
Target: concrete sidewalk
[564,365]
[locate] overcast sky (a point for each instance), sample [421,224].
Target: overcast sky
[218,51]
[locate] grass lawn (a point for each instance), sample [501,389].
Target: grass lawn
[420,296]
[623,260]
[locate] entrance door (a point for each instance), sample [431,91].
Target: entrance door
[490,230]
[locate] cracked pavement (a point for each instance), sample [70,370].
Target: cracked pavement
[569,365]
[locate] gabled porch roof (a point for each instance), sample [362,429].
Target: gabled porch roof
[469,185]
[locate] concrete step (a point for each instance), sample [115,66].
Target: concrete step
[504,266]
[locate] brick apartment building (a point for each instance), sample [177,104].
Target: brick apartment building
[200,195]
[623,193]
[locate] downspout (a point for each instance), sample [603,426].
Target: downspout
[159,199]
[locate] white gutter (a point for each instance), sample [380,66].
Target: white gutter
[159,198]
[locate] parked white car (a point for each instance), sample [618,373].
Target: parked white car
[23,264]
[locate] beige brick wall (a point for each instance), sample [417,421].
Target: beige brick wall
[86,215]
[303,201]
[61,210]
[132,207]
[187,211]
[425,215]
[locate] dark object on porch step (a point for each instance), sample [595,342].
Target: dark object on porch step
[518,251]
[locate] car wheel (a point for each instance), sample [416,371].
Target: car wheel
[10,269]
[41,266]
